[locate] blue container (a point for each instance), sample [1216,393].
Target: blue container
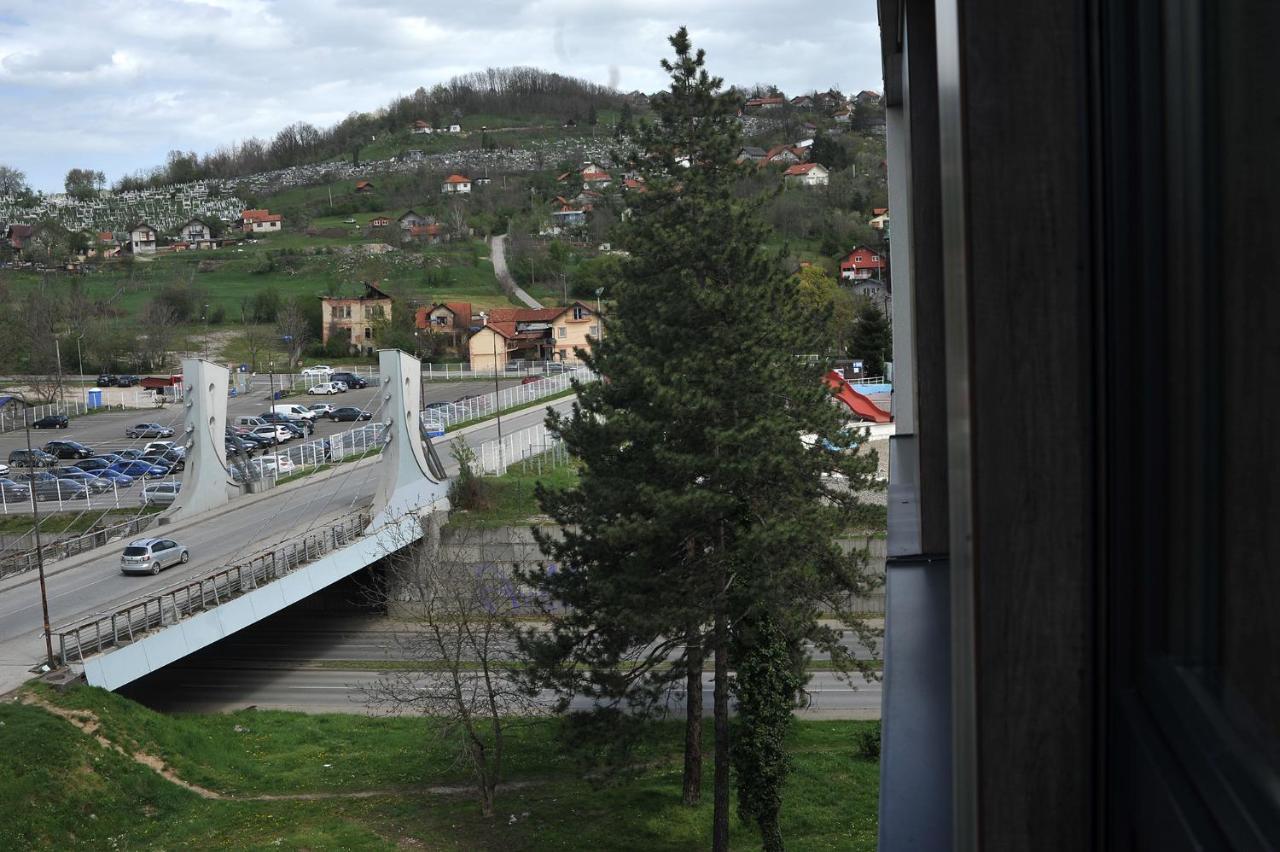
[95,397]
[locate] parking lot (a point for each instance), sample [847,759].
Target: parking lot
[105,432]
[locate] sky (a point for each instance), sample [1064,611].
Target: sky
[114,85]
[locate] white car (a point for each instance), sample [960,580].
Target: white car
[164,446]
[319,370]
[159,493]
[341,386]
[276,464]
[322,409]
[275,432]
[323,388]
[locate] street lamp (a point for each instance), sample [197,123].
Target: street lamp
[206,332]
[80,365]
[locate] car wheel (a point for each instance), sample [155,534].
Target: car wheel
[155,568]
[63,425]
[186,557]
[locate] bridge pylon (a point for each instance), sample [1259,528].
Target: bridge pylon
[203,434]
[413,480]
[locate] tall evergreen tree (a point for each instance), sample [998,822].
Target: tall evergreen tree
[871,340]
[699,509]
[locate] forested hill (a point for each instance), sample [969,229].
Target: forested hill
[505,94]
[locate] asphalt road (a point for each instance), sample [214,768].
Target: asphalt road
[214,690]
[92,583]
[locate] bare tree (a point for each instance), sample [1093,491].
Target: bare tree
[12,181]
[294,329]
[159,321]
[463,632]
[255,339]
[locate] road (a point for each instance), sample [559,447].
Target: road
[104,432]
[212,690]
[498,254]
[92,583]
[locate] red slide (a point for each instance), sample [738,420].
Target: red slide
[862,408]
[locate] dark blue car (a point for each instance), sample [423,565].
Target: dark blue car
[136,469]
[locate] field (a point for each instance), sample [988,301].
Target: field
[255,780]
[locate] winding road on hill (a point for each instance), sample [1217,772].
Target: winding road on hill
[498,253]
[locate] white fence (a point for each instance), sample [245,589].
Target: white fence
[446,414]
[16,416]
[494,458]
[61,495]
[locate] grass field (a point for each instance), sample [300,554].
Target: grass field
[362,783]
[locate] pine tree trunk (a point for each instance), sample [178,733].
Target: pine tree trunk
[693,718]
[720,818]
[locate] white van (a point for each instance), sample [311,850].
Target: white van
[294,411]
[250,422]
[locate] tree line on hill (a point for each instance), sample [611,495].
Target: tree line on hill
[496,91]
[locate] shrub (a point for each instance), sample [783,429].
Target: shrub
[866,741]
[468,491]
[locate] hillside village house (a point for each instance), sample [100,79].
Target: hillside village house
[379,222]
[261,221]
[806,174]
[566,213]
[535,334]
[454,184]
[880,218]
[802,101]
[751,154]
[19,235]
[764,103]
[197,233]
[411,218]
[420,126]
[595,178]
[142,239]
[783,155]
[431,233]
[364,186]
[448,318]
[358,315]
[860,264]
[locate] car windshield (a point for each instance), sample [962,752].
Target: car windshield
[135,551]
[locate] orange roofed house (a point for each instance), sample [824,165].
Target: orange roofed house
[533,334]
[358,315]
[261,221]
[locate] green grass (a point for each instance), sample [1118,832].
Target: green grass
[70,522]
[509,499]
[61,790]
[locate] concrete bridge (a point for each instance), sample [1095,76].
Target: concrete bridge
[251,556]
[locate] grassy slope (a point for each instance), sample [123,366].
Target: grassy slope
[60,790]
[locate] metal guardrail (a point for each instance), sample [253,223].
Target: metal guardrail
[66,548]
[96,634]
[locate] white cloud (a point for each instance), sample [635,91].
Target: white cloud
[114,84]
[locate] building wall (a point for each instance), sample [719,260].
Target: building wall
[481,350]
[570,334]
[363,316]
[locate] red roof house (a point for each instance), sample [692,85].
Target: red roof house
[862,263]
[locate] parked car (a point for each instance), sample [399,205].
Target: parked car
[94,484]
[148,430]
[294,411]
[295,425]
[170,460]
[53,421]
[246,436]
[347,414]
[105,473]
[159,493]
[11,491]
[127,381]
[130,454]
[59,489]
[319,370]
[276,433]
[138,468]
[321,409]
[323,389]
[68,450]
[351,380]
[341,386]
[277,464]
[4,469]
[238,446]
[32,458]
[109,458]
[250,422]
[163,447]
[152,555]
[106,380]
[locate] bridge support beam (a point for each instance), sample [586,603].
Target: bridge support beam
[205,478]
[411,483]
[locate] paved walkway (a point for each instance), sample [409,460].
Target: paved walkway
[498,253]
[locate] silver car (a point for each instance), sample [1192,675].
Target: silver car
[151,555]
[159,493]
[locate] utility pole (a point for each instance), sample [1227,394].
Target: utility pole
[84,389]
[497,404]
[58,351]
[35,520]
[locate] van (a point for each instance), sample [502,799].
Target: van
[294,411]
[250,422]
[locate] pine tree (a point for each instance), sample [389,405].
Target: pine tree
[871,341]
[698,509]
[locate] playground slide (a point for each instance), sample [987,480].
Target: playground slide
[862,408]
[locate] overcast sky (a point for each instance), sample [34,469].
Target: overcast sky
[115,85]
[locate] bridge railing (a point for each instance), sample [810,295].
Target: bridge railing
[130,622]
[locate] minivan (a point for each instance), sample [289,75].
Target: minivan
[294,411]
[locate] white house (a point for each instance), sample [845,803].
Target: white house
[807,174]
[261,221]
[142,239]
[420,126]
[455,128]
[454,184]
[196,231]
